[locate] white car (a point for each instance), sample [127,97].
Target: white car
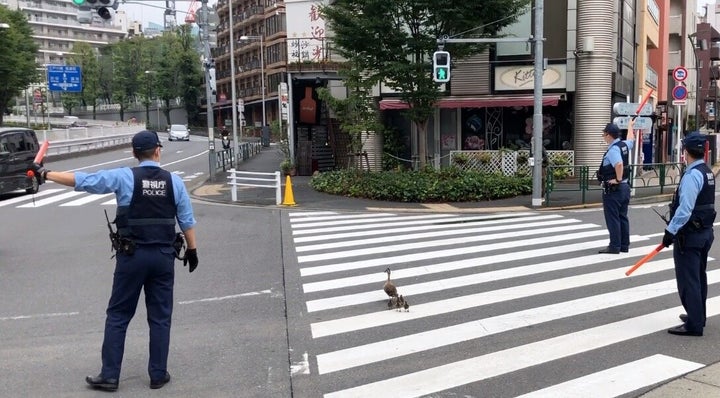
[178,132]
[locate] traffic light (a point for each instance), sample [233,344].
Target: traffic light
[441,66]
[78,2]
[105,8]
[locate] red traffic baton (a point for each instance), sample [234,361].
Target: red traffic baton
[645,259]
[39,156]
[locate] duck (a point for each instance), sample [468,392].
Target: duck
[402,304]
[389,287]
[392,303]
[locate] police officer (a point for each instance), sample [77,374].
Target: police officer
[613,175]
[692,213]
[149,200]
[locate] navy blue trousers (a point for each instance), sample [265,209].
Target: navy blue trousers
[615,207]
[150,268]
[691,276]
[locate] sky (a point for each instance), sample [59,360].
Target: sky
[149,11]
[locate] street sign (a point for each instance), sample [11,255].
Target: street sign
[679,92]
[65,78]
[641,123]
[283,90]
[680,73]
[629,108]
[679,102]
[241,105]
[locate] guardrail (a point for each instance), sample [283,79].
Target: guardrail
[247,179]
[87,144]
[224,157]
[650,178]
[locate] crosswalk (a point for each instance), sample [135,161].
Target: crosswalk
[52,194]
[492,296]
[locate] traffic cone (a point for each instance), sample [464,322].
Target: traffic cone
[289,199]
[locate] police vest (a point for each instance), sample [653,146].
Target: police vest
[703,214]
[150,217]
[607,172]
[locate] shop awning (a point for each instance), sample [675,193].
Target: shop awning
[478,102]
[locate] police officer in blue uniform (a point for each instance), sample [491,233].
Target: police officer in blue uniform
[150,200]
[690,231]
[613,174]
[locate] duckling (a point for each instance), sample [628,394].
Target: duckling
[400,303]
[392,303]
[389,287]
[406,306]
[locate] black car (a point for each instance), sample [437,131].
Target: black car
[18,147]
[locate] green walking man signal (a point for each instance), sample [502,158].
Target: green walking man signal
[441,66]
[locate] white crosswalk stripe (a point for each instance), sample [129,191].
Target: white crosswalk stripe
[456,271]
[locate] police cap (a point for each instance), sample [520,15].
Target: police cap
[612,130]
[695,141]
[145,140]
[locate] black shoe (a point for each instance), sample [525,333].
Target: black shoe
[625,250]
[684,318]
[609,250]
[100,383]
[155,384]
[681,331]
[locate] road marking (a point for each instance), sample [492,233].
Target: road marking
[408,258]
[53,199]
[87,199]
[233,296]
[482,367]
[51,315]
[28,197]
[470,232]
[619,380]
[450,223]
[514,272]
[431,339]
[382,318]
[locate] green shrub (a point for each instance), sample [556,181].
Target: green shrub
[425,186]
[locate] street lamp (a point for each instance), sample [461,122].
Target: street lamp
[262,71]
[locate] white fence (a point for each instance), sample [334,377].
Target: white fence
[249,179]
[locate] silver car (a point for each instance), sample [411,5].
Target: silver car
[178,132]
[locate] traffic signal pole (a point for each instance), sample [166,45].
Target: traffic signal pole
[208,64]
[537,198]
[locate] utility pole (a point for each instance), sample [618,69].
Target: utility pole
[209,67]
[537,105]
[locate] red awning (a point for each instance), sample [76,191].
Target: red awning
[478,102]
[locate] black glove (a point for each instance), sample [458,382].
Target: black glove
[40,171]
[192,258]
[668,239]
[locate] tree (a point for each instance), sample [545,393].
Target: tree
[179,73]
[126,57]
[18,68]
[393,41]
[87,58]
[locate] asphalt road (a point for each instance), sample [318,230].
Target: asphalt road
[229,329]
[289,303]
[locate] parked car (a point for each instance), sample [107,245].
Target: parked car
[178,132]
[18,147]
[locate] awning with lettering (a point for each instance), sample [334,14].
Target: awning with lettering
[477,102]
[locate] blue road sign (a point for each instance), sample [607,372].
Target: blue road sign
[65,78]
[679,92]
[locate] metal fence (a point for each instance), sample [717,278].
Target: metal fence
[256,179]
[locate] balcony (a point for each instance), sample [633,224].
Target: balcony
[674,59]
[651,77]
[675,23]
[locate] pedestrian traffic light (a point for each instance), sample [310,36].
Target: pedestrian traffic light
[84,14]
[441,66]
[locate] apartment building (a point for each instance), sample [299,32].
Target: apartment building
[56,29]
[259,32]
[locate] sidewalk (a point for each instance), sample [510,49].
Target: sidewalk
[704,382]
[307,198]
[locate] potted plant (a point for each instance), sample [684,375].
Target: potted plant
[287,167]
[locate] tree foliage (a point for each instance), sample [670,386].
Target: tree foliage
[18,68]
[393,41]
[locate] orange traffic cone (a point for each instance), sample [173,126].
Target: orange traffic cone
[289,199]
